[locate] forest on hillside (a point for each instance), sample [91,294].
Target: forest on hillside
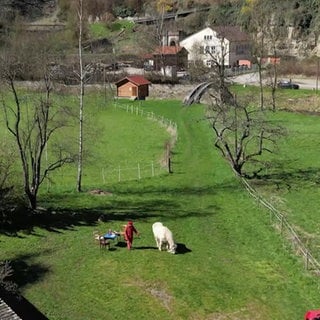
[284,28]
[303,14]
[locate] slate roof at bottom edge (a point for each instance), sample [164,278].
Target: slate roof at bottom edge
[6,313]
[16,307]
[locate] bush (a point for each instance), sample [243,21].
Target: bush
[124,12]
[6,272]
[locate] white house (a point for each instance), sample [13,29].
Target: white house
[226,45]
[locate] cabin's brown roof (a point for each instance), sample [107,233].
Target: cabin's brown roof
[138,80]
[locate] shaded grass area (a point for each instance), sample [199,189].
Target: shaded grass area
[230,261]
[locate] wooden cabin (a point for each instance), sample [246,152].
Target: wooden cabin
[133,87]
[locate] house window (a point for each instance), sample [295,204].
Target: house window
[207,37]
[209,63]
[242,48]
[209,49]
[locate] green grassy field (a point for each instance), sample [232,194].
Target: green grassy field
[231,262]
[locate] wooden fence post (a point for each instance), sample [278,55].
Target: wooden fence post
[307,261]
[168,156]
[139,173]
[103,176]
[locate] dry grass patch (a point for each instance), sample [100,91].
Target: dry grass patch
[158,291]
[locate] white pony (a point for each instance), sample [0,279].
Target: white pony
[163,237]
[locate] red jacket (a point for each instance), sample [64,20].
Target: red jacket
[312,315]
[130,229]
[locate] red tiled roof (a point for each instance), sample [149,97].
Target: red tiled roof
[135,79]
[147,56]
[168,50]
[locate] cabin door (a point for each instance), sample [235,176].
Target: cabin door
[134,91]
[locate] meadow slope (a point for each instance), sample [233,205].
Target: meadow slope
[231,263]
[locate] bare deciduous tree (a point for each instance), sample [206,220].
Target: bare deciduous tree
[81,96]
[32,123]
[255,19]
[82,75]
[242,135]
[6,272]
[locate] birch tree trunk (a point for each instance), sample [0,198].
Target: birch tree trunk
[80,152]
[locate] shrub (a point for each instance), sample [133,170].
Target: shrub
[6,272]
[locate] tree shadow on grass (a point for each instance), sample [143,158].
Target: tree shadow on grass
[136,204]
[286,179]
[27,272]
[144,248]
[146,204]
[181,248]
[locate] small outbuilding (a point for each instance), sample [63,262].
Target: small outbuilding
[167,56]
[133,87]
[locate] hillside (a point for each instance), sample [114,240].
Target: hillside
[297,22]
[232,264]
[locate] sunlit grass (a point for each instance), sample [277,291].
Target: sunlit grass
[231,260]
[102,29]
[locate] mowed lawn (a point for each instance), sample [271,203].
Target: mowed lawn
[231,263]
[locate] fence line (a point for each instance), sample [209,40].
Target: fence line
[113,174]
[149,115]
[170,125]
[137,172]
[310,261]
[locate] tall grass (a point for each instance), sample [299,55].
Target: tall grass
[230,263]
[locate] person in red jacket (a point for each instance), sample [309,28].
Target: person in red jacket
[312,315]
[128,233]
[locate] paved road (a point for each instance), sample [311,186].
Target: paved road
[253,79]
[303,82]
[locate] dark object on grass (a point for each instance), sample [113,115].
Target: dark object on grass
[182,249]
